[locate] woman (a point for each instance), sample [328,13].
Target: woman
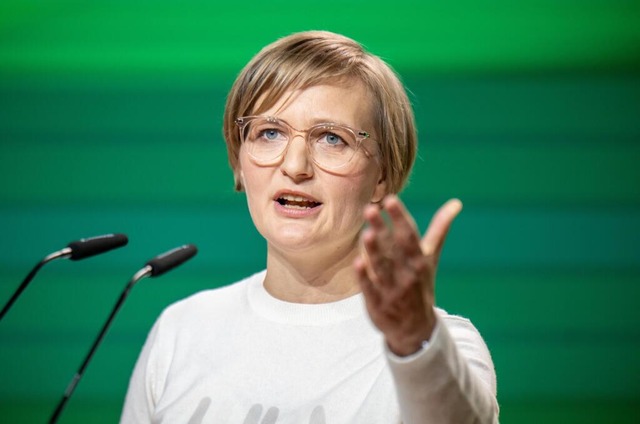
[342,325]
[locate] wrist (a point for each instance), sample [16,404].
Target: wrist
[410,344]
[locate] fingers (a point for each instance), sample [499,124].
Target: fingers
[378,254]
[402,234]
[433,239]
[370,293]
[396,278]
[405,231]
[393,250]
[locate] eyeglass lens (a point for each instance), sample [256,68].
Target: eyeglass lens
[332,146]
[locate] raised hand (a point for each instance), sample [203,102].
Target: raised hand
[397,272]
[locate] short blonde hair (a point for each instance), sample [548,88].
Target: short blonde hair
[311,58]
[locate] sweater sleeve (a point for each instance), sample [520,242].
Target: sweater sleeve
[452,380]
[143,388]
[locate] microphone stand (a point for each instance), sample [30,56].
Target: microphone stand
[144,272]
[66,252]
[78,249]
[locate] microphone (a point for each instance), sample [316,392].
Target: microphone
[75,250]
[153,268]
[85,248]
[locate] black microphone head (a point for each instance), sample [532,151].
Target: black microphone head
[171,259]
[84,248]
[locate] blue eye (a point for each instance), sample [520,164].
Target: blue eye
[333,139]
[270,134]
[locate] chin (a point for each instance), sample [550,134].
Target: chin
[293,240]
[299,240]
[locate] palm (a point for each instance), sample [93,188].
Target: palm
[397,272]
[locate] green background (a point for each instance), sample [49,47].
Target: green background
[529,111]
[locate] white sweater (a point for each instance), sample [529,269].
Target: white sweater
[238,355]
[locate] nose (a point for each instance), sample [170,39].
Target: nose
[296,163]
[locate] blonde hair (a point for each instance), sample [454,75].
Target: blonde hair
[306,59]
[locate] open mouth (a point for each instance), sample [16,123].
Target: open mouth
[297,202]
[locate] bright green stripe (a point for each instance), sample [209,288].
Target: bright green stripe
[58,110]
[519,366]
[126,37]
[69,307]
[46,369]
[91,172]
[530,173]
[575,306]
[591,369]
[563,108]
[506,308]
[175,172]
[223,232]
[529,322]
[569,410]
[527,139]
[80,409]
[525,367]
[482,237]
[560,410]
[540,109]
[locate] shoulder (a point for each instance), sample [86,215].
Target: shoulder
[456,324]
[464,334]
[469,343]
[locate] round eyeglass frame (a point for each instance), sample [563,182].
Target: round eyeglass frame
[359,136]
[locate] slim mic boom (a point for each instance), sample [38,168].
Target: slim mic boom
[153,268]
[75,250]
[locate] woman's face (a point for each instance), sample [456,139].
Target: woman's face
[295,204]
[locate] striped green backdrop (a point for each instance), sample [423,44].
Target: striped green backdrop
[529,111]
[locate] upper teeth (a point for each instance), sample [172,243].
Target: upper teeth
[292,198]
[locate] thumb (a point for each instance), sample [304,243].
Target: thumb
[436,233]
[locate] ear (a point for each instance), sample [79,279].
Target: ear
[380,191]
[238,179]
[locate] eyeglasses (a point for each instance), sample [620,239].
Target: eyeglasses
[331,146]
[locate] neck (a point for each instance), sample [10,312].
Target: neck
[306,278]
